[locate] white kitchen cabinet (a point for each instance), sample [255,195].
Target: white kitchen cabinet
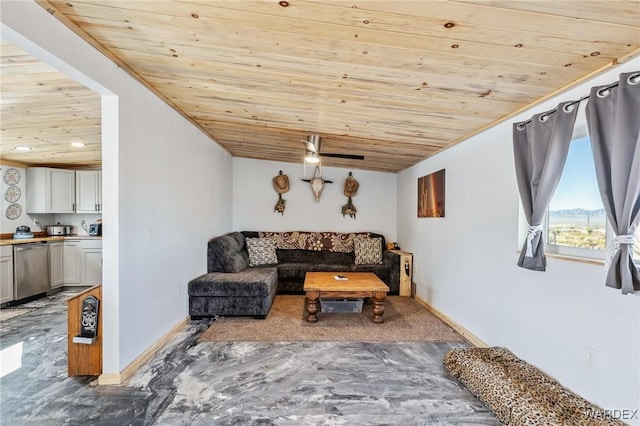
[91,263]
[72,259]
[50,190]
[56,264]
[6,274]
[82,262]
[88,191]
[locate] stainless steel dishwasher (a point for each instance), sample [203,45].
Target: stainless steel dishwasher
[30,269]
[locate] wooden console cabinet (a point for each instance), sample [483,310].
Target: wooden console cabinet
[83,359]
[406,272]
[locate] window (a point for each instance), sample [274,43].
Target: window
[576,223]
[576,219]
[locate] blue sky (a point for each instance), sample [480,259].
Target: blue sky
[578,187]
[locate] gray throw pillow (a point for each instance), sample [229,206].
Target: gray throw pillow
[228,252]
[262,251]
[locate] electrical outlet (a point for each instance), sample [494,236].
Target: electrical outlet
[591,358]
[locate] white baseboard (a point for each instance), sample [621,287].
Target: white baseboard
[109,379]
[129,370]
[470,337]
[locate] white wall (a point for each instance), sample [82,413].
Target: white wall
[166,189]
[465,266]
[254,199]
[72,219]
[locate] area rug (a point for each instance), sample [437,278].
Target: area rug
[405,321]
[8,313]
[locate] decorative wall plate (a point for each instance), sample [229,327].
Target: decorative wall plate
[11,176]
[12,194]
[14,211]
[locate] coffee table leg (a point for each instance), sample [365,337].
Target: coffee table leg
[312,306]
[378,307]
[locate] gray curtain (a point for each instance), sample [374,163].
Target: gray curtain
[540,148]
[613,119]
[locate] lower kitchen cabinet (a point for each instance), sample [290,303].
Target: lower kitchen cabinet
[91,263]
[82,262]
[72,259]
[6,274]
[56,264]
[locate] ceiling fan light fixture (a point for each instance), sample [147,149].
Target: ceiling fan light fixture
[313,154]
[311,157]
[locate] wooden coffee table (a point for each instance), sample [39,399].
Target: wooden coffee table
[357,284]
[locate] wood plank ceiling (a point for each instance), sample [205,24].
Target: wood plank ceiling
[45,110]
[395,81]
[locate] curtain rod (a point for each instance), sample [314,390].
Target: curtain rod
[522,124]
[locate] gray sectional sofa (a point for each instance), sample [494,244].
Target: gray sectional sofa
[232,286]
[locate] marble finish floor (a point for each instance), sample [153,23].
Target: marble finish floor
[251,383]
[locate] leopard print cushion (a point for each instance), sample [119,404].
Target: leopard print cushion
[517,392]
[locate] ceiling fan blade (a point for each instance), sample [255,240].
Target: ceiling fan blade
[312,144]
[347,156]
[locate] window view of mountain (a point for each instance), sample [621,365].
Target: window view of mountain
[578,228]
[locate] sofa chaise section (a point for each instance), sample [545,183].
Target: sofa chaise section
[230,287]
[248,293]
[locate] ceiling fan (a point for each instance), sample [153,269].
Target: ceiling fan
[312,147]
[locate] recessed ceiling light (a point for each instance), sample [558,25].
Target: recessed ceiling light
[23,148]
[77,142]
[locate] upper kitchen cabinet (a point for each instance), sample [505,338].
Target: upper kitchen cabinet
[88,191]
[50,190]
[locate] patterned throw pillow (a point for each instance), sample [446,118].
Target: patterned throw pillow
[262,251]
[368,251]
[301,240]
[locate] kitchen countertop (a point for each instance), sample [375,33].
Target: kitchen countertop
[48,239]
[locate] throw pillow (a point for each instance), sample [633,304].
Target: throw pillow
[227,254]
[368,251]
[262,251]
